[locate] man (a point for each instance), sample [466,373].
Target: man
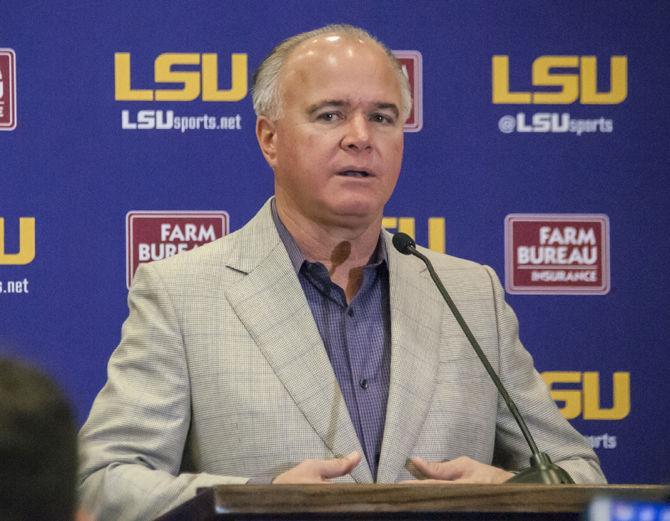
[38,447]
[303,348]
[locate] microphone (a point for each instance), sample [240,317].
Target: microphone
[541,470]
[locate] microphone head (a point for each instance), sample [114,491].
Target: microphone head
[403,243]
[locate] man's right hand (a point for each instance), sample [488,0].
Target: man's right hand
[319,470]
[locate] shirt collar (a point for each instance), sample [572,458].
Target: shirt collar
[296,256]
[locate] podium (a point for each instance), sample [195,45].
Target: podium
[403,502]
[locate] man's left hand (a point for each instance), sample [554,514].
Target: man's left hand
[459,470]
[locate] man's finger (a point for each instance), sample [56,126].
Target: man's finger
[446,470]
[334,468]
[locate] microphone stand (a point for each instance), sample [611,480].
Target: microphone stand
[541,469]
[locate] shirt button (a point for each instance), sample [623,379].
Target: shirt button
[350,312]
[364,383]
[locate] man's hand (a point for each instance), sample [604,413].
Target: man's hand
[319,470]
[459,470]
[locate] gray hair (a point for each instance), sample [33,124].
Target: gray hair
[265,89]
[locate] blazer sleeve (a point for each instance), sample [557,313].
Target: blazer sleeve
[552,433]
[133,442]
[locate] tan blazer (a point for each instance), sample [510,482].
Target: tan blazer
[221,375]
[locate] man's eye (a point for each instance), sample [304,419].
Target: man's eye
[329,116]
[382,118]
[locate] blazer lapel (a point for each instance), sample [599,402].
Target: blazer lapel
[416,316]
[272,306]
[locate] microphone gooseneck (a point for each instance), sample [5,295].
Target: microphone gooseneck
[542,470]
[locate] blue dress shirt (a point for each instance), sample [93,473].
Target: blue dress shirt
[357,337]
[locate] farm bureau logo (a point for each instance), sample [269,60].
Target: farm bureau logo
[568,88]
[412,65]
[155,235]
[7,89]
[557,254]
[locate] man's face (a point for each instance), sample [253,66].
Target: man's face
[337,148]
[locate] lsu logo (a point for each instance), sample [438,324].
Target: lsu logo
[552,71]
[26,253]
[203,82]
[7,89]
[436,230]
[586,401]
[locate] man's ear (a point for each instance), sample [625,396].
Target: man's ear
[266,134]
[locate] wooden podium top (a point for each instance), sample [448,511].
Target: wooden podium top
[354,501]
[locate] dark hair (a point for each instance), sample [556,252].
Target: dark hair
[38,447]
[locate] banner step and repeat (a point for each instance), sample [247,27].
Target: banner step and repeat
[538,144]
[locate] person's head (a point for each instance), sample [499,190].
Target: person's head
[330,105]
[38,447]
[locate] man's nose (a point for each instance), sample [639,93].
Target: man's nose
[357,134]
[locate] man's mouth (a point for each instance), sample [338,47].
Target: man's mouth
[355,173]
